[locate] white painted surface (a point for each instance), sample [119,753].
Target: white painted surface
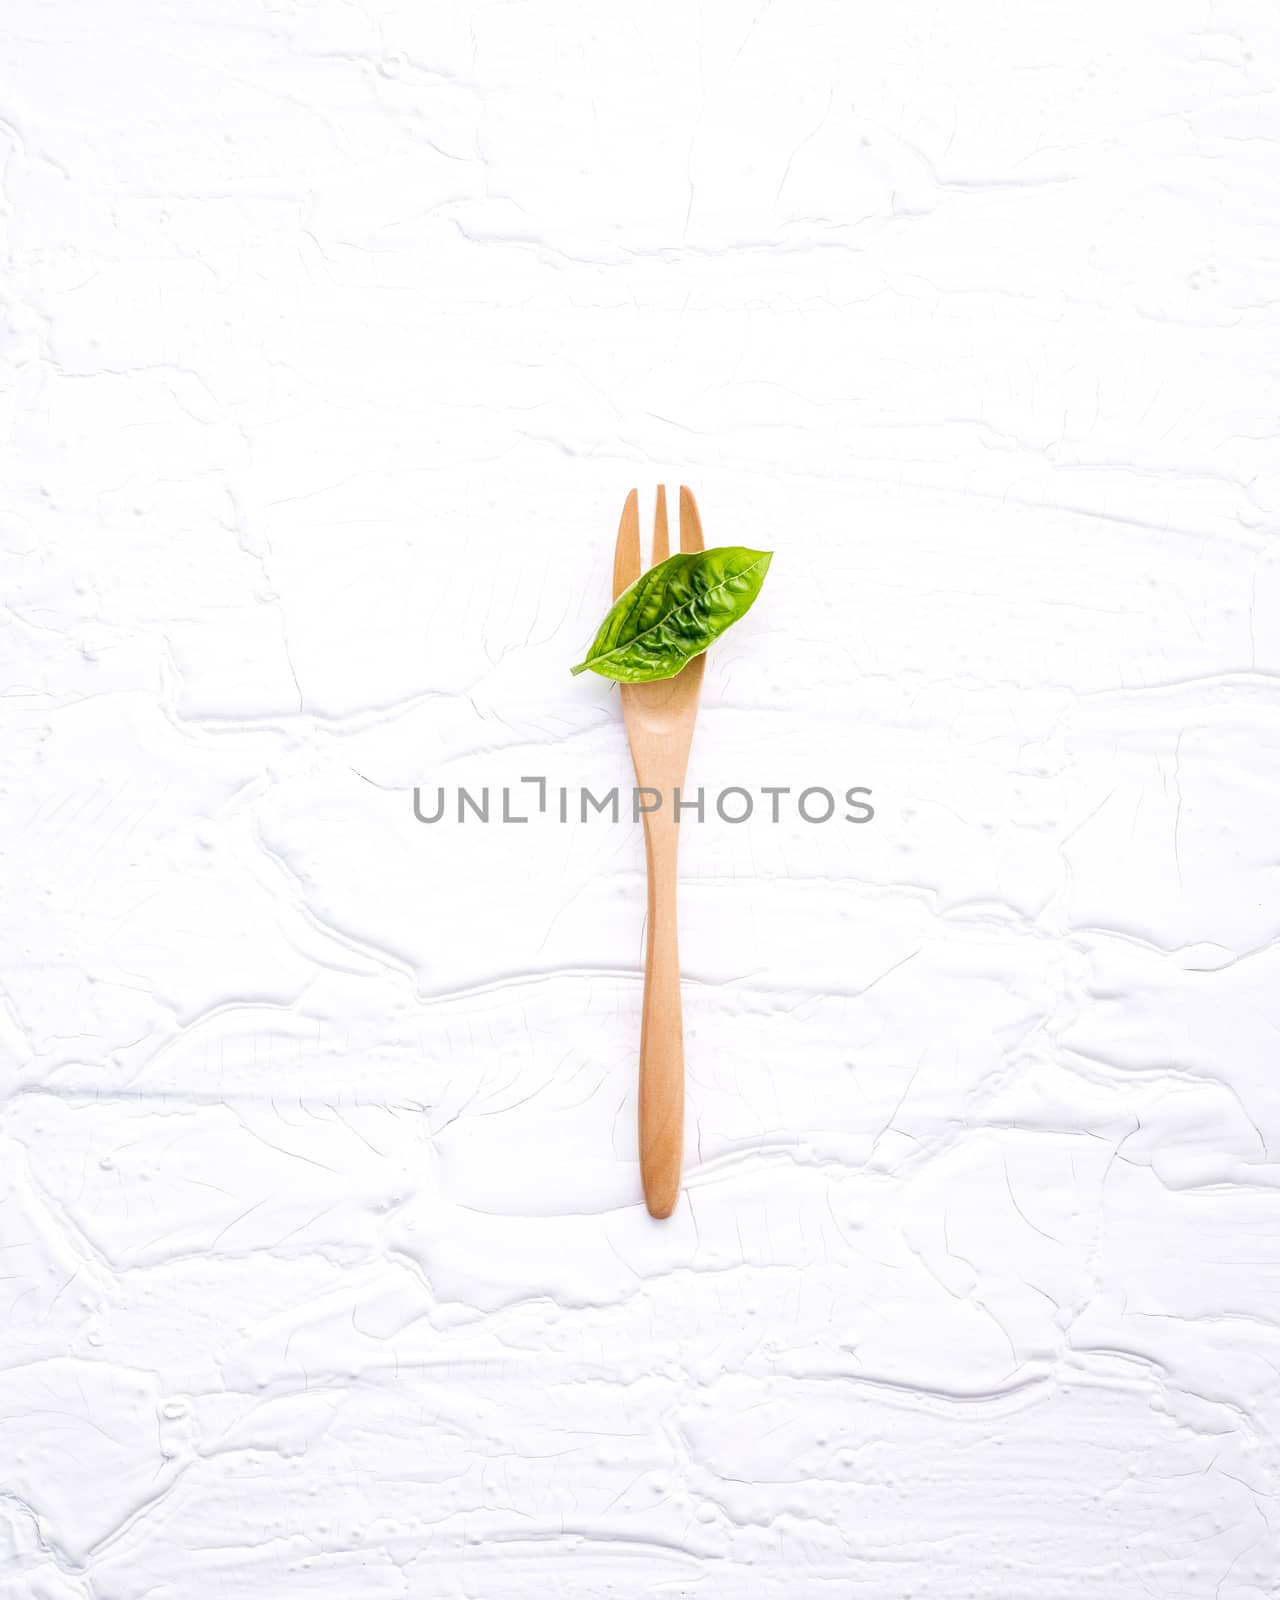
[334,336]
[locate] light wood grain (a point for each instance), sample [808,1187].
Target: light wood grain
[660,719]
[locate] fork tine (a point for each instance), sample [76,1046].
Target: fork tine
[626,553]
[661,538]
[690,522]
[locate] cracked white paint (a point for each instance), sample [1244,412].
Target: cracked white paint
[334,335]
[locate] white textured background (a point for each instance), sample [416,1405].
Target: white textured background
[333,336]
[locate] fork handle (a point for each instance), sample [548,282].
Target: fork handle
[661,1028]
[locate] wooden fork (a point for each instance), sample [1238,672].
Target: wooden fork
[659,719]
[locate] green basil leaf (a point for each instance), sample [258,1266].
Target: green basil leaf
[674,611]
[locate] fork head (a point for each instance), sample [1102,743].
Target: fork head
[627,565]
[662,711]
